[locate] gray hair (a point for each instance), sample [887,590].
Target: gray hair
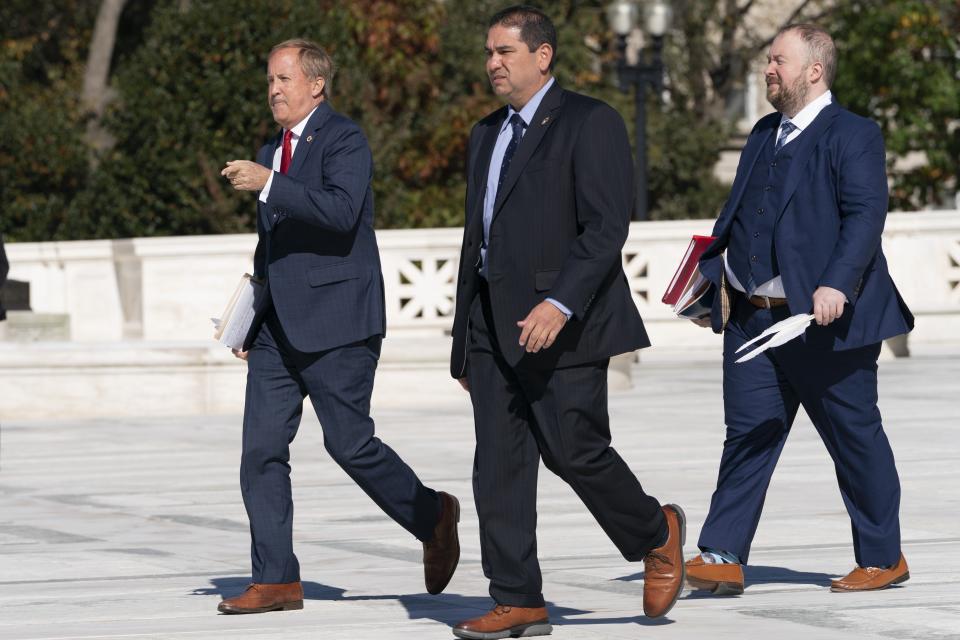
[314,61]
[820,48]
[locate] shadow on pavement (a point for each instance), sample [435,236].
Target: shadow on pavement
[447,608]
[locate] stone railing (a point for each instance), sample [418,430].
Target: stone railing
[166,289]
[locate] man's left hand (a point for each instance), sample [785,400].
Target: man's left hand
[827,305]
[541,327]
[245,175]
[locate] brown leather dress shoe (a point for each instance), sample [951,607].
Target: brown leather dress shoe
[719,579]
[259,598]
[442,552]
[663,566]
[506,622]
[872,578]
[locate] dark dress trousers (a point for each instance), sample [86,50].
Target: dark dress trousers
[812,213]
[560,221]
[318,335]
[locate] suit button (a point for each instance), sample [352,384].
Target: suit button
[756,234]
[753,258]
[760,211]
[767,188]
[773,164]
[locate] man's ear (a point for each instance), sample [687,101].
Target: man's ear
[317,89]
[815,72]
[544,57]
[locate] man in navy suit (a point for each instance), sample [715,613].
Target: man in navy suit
[799,234]
[318,332]
[542,304]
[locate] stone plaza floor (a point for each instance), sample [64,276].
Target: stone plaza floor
[134,528]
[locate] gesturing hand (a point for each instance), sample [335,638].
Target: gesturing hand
[245,175]
[827,305]
[541,327]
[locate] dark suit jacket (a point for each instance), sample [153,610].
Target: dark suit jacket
[832,210]
[4,269]
[560,221]
[317,249]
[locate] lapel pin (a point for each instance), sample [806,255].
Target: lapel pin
[545,121]
[309,138]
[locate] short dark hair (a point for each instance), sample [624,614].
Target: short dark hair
[535,26]
[820,48]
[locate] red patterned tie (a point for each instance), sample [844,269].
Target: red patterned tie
[287,152]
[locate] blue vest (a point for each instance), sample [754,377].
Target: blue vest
[750,251]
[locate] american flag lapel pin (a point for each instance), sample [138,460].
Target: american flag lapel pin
[309,138]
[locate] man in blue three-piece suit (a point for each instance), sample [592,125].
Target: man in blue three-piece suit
[318,332]
[800,233]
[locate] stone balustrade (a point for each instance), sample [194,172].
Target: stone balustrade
[167,289]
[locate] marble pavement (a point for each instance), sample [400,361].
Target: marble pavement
[134,527]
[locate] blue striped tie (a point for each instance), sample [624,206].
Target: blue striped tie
[786,128]
[518,125]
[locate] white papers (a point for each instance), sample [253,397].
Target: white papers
[232,328]
[782,332]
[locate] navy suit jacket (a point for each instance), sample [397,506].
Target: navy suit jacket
[832,210]
[560,221]
[4,269]
[317,250]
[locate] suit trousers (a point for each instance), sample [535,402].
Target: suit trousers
[560,416]
[339,382]
[838,390]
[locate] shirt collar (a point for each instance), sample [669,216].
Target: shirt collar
[530,109]
[809,113]
[298,128]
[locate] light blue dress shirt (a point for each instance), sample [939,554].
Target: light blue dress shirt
[493,174]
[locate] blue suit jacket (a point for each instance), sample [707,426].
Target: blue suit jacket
[832,211]
[317,250]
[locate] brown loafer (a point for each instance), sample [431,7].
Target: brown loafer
[719,579]
[872,578]
[663,566]
[259,598]
[506,622]
[442,552]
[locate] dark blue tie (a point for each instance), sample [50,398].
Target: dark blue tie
[518,125]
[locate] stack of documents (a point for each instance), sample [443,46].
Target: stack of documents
[689,293]
[232,327]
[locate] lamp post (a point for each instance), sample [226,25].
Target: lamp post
[623,17]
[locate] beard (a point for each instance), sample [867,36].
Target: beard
[789,99]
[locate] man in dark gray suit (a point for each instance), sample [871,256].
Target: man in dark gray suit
[318,332]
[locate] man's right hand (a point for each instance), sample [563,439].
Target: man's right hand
[240,354]
[701,322]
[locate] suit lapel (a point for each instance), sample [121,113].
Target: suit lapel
[542,120]
[806,143]
[309,137]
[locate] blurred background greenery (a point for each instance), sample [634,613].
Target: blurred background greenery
[133,146]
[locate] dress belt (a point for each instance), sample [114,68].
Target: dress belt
[766,302]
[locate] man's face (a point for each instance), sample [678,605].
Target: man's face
[515,72]
[291,94]
[787,74]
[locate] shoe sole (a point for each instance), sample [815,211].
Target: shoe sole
[682,517]
[520,631]
[899,580]
[715,587]
[293,605]
[456,538]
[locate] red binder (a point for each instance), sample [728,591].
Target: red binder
[687,269]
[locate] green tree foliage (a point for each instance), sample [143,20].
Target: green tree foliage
[191,94]
[900,65]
